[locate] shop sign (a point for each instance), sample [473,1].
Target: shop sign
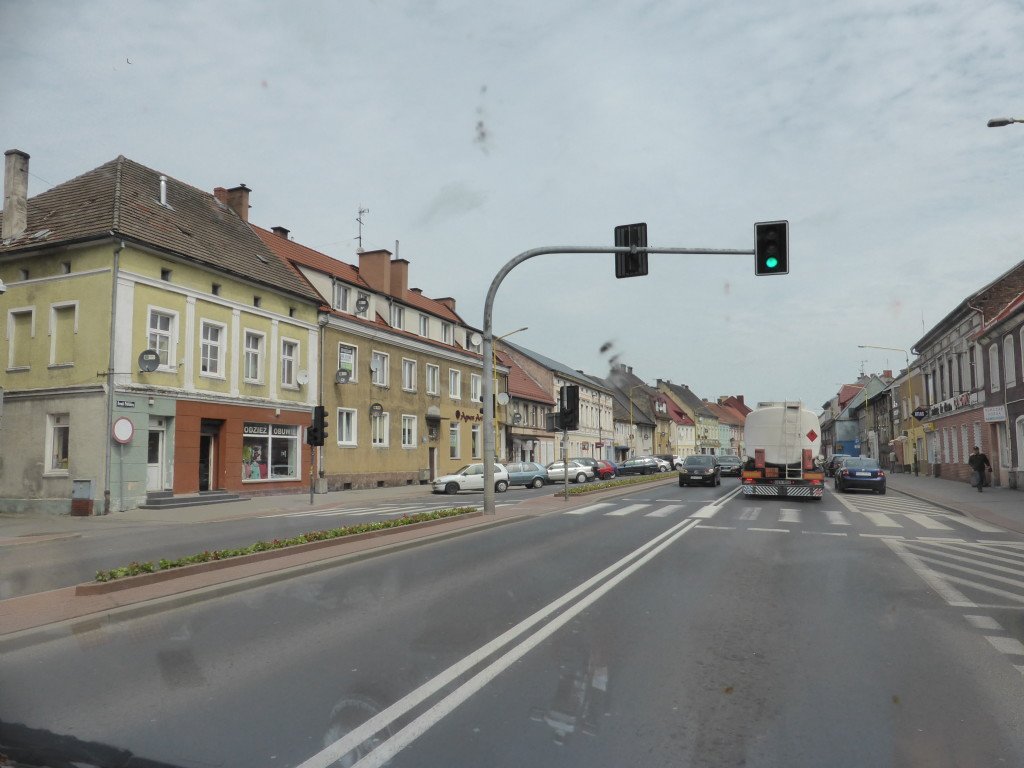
[955,403]
[256,429]
[995,413]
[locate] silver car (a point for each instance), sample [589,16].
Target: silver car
[578,473]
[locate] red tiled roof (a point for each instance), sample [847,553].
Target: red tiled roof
[427,304]
[521,384]
[847,392]
[678,415]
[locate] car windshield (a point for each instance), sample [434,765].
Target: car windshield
[271,272]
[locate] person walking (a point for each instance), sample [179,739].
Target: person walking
[979,461]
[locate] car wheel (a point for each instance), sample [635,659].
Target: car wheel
[451,489]
[501,486]
[581,478]
[882,490]
[537,483]
[681,483]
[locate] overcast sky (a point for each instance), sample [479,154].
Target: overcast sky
[473,132]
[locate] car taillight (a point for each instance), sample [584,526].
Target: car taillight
[881,473]
[842,473]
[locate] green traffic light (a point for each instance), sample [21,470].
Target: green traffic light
[771,262]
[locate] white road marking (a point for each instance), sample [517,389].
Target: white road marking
[750,513]
[665,511]
[1019,668]
[835,517]
[1006,644]
[824,533]
[333,752]
[946,556]
[881,520]
[769,530]
[977,525]
[704,527]
[625,510]
[975,572]
[706,513]
[927,521]
[983,622]
[587,510]
[984,588]
[789,515]
[930,577]
[940,538]
[887,536]
[968,548]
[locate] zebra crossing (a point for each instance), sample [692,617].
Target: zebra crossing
[915,518]
[379,510]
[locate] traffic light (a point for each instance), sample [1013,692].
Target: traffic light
[771,248]
[317,432]
[631,264]
[569,404]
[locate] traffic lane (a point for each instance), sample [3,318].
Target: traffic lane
[40,566]
[760,650]
[279,664]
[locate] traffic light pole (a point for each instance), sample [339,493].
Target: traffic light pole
[488,348]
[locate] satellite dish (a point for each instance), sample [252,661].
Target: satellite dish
[516,418]
[503,398]
[374,365]
[362,304]
[376,409]
[302,378]
[342,376]
[475,339]
[149,360]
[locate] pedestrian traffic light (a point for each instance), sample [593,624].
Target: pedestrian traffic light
[771,248]
[317,432]
[569,404]
[631,264]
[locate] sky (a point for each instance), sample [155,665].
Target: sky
[474,131]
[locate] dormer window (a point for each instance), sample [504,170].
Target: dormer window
[398,316]
[446,333]
[342,295]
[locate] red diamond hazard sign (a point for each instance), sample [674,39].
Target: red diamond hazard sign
[812,435]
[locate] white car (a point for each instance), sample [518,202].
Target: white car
[471,478]
[578,473]
[663,466]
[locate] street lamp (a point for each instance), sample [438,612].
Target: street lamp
[999,122]
[894,349]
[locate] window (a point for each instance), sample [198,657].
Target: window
[424,325]
[211,348]
[215,289]
[165,275]
[454,384]
[446,333]
[65,267]
[408,431]
[342,294]
[474,440]
[398,316]
[57,439]
[476,391]
[408,375]
[963,441]
[379,424]
[257,301]
[433,380]
[253,356]
[978,367]
[347,356]
[63,327]
[270,452]
[162,336]
[20,332]
[993,367]
[1009,361]
[453,441]
[346,431]
[289,361]
[379,367]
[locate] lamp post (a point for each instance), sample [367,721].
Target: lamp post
[494,369]
[894,349]
[999,122]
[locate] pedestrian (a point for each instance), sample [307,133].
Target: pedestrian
[979,461]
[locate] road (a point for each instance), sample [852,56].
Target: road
[669,627]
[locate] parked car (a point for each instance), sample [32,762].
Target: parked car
[663,466]
[528,473]
[675,462]
[586,461]
[731,465]
[578,473]
[471,478]
[604,470]
[642,465]
[859,472]
[833,463]
[700,470]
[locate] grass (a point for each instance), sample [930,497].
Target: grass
[136,568]
[582,490]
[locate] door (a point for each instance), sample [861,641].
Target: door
[205,461]
[155,458]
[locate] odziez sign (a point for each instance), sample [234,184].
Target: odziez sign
[920,413]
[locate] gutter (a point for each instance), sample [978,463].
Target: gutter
[110,373]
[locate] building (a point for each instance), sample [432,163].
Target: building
[155,346]
[529,407]
[708,439]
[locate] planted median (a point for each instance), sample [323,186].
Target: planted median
[604,485]
[217,555]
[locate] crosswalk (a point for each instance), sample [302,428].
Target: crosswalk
[968,574]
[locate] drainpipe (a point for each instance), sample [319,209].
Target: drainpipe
[110,374]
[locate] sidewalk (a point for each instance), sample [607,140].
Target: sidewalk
[996,504]
[60,613]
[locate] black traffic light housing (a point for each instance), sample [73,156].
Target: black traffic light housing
[771,248]
[569,405]
[631,264]
[317,432]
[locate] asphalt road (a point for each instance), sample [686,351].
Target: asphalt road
[656,629]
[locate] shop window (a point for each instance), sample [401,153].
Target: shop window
[270,452]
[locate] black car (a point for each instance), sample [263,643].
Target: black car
[731,465]
[642,465]
[700,470]
[833,463]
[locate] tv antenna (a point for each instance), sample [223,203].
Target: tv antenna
[359,237]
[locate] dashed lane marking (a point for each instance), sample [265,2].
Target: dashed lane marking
[983,622]
[1009,645]
[770,530]
[927,521]
[665,511]
[586,510]
[835,517]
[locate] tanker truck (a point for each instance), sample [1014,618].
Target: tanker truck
[783,443]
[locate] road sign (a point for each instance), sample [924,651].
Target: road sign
[631,264]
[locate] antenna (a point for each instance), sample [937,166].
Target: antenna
[862,367]
[359,237]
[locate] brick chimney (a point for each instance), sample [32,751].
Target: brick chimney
[221,194]
[280,232]
[15,218]
[448,301]
[399,278]
[238,201]
[887,374]
[375,269]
